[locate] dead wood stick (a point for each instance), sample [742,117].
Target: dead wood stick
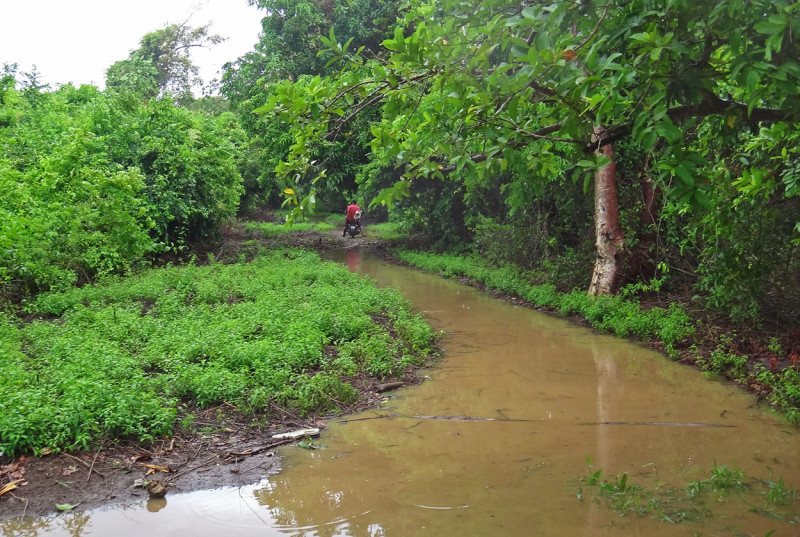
[92,466]
[24,500]
[259,449]
[660,423]
[176,476]
[95,460]
[286,412]
[86,464]
[378,417]
[380,388]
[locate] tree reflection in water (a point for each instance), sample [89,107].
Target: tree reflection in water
[301,512]
[75,524]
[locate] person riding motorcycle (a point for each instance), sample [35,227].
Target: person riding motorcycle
[352,215]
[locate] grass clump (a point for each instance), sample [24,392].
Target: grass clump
[697,499]
[387,231]
[117,359]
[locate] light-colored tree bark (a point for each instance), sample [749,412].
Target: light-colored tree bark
[609,236]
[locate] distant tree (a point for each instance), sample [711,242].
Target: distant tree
[292,47]
[162,64]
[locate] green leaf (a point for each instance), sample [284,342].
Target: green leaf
[655,54]
[702,200]
[387,196]
[752,80]
[684,175]
[767,28]
[669,131]
[66,506]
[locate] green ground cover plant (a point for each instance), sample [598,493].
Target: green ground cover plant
[120,359]
[618,315]
[387,231]
[697,499]
[272,229]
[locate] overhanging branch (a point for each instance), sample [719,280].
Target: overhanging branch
[709,106]
[542,133]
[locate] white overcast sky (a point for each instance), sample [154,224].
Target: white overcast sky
[77,40]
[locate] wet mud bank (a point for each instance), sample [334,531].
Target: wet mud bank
[224,450]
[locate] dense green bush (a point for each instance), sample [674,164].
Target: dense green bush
[95,182]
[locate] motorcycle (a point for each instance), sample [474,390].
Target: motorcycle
[353,227]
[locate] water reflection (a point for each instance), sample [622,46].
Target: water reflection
[75,524]
[560,395]
[154,505]
[353,259]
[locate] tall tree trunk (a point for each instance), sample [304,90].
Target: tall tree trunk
[642,258]
[609,238]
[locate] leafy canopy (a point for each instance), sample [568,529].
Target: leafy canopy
[465,84]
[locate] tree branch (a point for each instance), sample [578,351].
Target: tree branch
[374,97]
[539,134]
[709,106]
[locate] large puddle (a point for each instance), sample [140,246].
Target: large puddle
[496,443]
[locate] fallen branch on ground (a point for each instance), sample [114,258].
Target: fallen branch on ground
[83,462]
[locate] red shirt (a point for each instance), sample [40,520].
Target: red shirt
[351,211]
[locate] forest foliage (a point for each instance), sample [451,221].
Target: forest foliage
[484,120]
[471,126]
[96,183]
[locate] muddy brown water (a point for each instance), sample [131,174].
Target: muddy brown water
[497,442]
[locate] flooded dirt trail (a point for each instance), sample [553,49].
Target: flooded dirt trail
[497,442]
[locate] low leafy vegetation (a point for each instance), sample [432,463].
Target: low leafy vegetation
[615,314]
[118,359]
[387,231]
[99,183]
[272,229]
[779,387]
[697,499]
